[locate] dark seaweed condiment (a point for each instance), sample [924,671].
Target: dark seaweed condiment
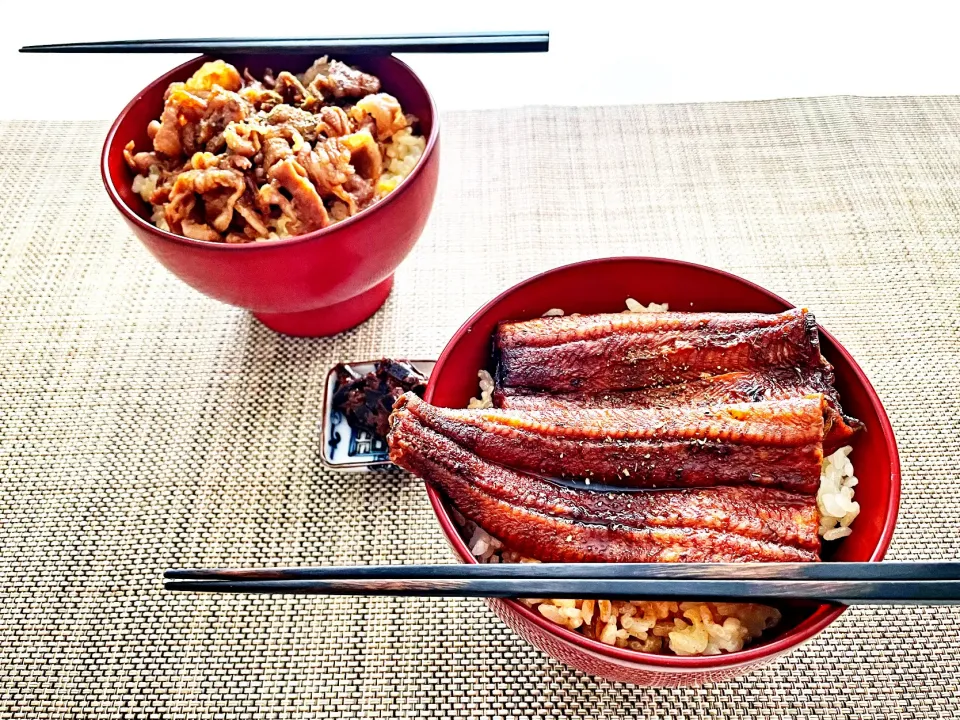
[367,400]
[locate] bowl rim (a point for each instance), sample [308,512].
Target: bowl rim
[149,227]
[823,616]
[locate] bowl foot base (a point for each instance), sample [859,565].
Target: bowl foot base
[332,319]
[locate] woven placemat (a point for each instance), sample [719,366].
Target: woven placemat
[144,426]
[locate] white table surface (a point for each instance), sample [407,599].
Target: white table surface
[601,53]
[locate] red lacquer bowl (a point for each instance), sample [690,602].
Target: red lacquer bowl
[316,284]
[602,286]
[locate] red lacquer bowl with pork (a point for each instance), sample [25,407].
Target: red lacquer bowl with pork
[601,286]
[313,284]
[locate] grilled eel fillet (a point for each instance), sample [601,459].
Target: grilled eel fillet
[624,351]
[774,444]
[734,387]
[559,524]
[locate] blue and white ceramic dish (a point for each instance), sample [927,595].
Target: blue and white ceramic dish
[343,447]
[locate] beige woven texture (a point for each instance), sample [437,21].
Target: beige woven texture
[144,426]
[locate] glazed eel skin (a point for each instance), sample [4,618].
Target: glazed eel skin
[551,523]
[734,387]
[625,351]
[772,443]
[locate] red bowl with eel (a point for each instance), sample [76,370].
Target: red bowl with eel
[602,286]
[315,284]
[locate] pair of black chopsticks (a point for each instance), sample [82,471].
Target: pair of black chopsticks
[889,583]
[477,42]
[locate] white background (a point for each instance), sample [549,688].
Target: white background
[601,53]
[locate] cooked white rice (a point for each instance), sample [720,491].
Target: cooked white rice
[146,185]
[632,307]
[835,496]
[403,153]
[682,628]
[486,392]
[636,307]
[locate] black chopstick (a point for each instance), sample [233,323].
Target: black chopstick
[478,42]
[939,570]
[844,583]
